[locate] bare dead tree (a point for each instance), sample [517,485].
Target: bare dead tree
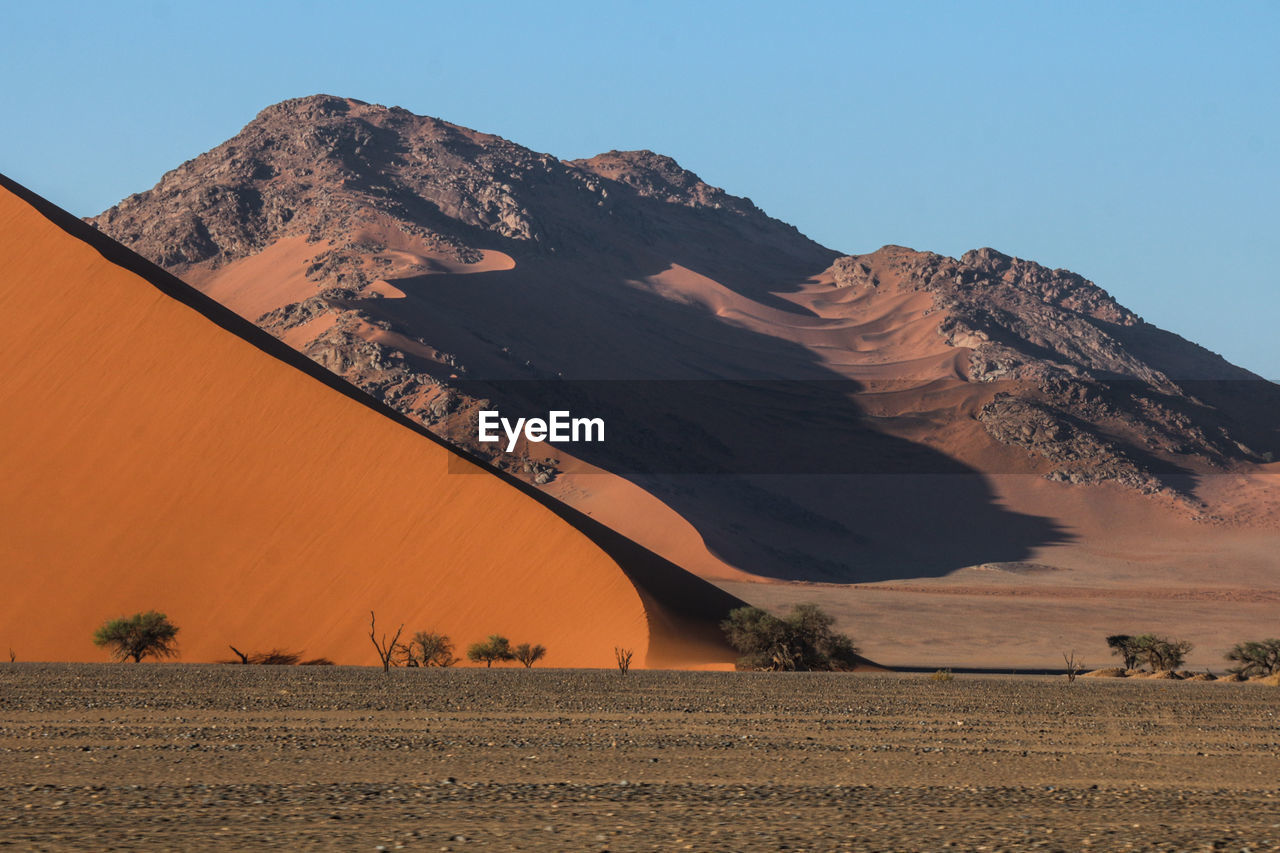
[623,656]
[244,659]
[385,649]
[402,655]
[1073,666]
[12,656]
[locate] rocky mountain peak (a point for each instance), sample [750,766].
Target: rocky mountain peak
[322,166]
[660,177]
[1059,288]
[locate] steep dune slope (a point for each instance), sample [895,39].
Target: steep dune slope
[159,452]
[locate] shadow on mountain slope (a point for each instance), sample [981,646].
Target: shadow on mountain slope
[766,452]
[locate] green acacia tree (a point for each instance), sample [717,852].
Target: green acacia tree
[496,648]
[1161,653]
[1260,657]
[804,639]
[1124,646]
[138,636]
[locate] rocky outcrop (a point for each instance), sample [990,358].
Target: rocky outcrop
[659,177]
[1077,453]
[322,166]
[1078,382]
[851,272]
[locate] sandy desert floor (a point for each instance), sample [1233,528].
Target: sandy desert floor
[183,757]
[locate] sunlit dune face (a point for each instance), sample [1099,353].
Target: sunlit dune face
[155,460]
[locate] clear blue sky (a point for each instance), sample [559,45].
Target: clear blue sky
[1135,143]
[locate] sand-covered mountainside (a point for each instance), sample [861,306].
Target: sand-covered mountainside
[778,411]
[160,452]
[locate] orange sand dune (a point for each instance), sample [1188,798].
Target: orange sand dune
[159,452]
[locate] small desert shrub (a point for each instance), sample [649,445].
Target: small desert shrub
[1256,658]
[529,654]
[1074,666]
[496,648]
[275,657]
[138,636]
[802,640]
[942,675]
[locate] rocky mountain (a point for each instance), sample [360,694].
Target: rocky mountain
[1083,382]
[325,167]
[444,270]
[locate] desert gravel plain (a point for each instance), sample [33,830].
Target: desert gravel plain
[207,757]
